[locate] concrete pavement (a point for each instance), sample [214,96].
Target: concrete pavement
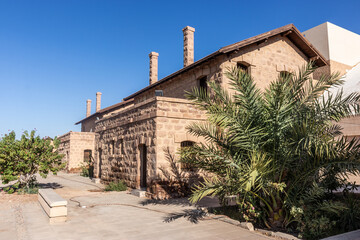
[113,215]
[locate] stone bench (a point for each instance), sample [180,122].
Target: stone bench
[53,204]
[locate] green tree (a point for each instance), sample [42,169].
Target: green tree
[269,147]
[21,159]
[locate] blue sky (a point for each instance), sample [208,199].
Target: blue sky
[56,54]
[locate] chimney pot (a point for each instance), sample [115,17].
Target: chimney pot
[98,101]
[188,45]
[153,73]
[88,107]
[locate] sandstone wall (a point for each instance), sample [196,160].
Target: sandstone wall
[176,87]
[351,126]
[333,67]
[266,60]
[339,67]
[73,145]
[119,137]
[173,116]
[88,125]
[158,123]
[64,147]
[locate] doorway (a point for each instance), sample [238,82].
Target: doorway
[143,163]
[99,162]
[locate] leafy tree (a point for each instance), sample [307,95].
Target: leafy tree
[270,147]
[21,159]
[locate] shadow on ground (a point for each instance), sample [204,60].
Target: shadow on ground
[174,201]
[53,185]
[192,215]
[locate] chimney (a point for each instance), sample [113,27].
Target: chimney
[153,67]
[88,107]
[188,45]
[98,101]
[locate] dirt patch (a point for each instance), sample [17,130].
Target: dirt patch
[96,190]
[15,199]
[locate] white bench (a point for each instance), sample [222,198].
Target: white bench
[54,205]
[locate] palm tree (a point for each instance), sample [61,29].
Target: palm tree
[270,147]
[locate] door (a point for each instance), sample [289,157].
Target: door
[99,162]
[143,163]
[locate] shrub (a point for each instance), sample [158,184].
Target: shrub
[270,147]
[87,170]
[116,186]
[176,181]
[21,159]
[350,217]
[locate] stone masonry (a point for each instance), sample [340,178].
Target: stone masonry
[73,145]
[88,108]
[188,45]
[157,123]
[153,67]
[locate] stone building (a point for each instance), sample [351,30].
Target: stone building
[130,136]
[78,147]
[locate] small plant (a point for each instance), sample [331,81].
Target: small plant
[32,189]
[87,167]
[116,186]
[87,170]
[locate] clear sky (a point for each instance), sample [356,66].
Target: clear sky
[55,54]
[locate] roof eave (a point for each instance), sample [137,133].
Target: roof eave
[184,69]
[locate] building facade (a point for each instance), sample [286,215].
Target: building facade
[130,137]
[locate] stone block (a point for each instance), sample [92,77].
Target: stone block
[57,211]
[52,198]
[247,225]
[95,180]
[138,193]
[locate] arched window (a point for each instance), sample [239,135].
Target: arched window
[187,166]
[187,144]
[203,83]
[244,66]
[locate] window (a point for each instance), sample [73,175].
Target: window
[121,146]
[87,155]
[186,144]
[187,166]
[112,147]
[203,83]
[159,93]
[243,66]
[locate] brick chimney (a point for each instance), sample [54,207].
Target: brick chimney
[153,75]
[98,101]
[188,45]
[88,107]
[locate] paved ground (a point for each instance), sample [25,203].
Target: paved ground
[101,215]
